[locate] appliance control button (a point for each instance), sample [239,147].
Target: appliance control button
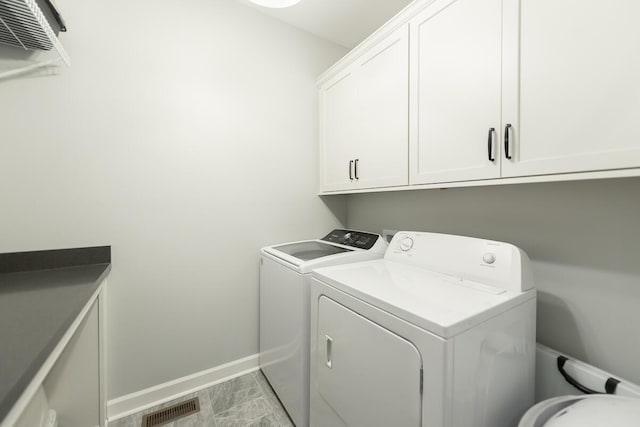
[489,258]
[406,243]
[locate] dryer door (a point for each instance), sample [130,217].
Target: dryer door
[367,375]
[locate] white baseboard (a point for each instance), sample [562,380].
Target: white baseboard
[131,403]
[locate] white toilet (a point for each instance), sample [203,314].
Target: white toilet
[595,410]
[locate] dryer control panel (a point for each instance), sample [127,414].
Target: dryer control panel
[356,239]
[497,264]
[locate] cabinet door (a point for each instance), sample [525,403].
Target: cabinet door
[456,91]
[382,135]
[366,374]
[337,143]
[73,384]
[579,87]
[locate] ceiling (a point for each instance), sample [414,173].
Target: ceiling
[345,22]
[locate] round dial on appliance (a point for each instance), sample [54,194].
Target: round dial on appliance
[406,244]
[489,258]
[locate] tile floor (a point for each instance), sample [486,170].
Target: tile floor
[243,401]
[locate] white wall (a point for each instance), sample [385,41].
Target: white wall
[184,135]
[583,239]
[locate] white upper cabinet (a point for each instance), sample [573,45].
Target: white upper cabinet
[453,92]
[456,88]
[337,148]
[364,119]
[382,118]
[579,92]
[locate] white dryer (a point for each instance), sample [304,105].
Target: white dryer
[439,333]
[284,308]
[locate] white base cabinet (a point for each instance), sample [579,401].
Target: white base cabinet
[72,381]
[73,384]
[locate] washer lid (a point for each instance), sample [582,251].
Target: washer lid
[598,411]
[306,255]
[310,250]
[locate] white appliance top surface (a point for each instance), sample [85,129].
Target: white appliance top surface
[310,249]
[306,255]
[442,304]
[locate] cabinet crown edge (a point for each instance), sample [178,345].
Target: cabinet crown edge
[398,20]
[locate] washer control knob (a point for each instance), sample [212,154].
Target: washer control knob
[406,244]
[489,258]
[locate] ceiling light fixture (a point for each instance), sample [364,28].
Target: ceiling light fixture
[276,4]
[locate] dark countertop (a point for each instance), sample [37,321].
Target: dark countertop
[37,307]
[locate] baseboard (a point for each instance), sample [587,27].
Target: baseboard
[131,403]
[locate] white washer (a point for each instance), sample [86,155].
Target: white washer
[284,308]
[439,333]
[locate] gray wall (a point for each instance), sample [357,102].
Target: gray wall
[185,136]
[583,239]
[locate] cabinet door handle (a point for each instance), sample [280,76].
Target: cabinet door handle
[507,154]
[492,158]
[356,168]
[329,345]
[350,170]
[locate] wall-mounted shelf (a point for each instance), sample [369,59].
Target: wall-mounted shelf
[23,24]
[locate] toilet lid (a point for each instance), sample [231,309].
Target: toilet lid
[598,411]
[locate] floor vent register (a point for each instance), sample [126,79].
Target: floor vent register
[172,413]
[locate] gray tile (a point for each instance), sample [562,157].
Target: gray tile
[244,414]
[282,417]
[134,420]
[265,388]
[230,423]
[124,422]
[261,380]
[224,400]
[224,395]
[233,385]
[243,401]
[204,418]
[277,409]
[266,421]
